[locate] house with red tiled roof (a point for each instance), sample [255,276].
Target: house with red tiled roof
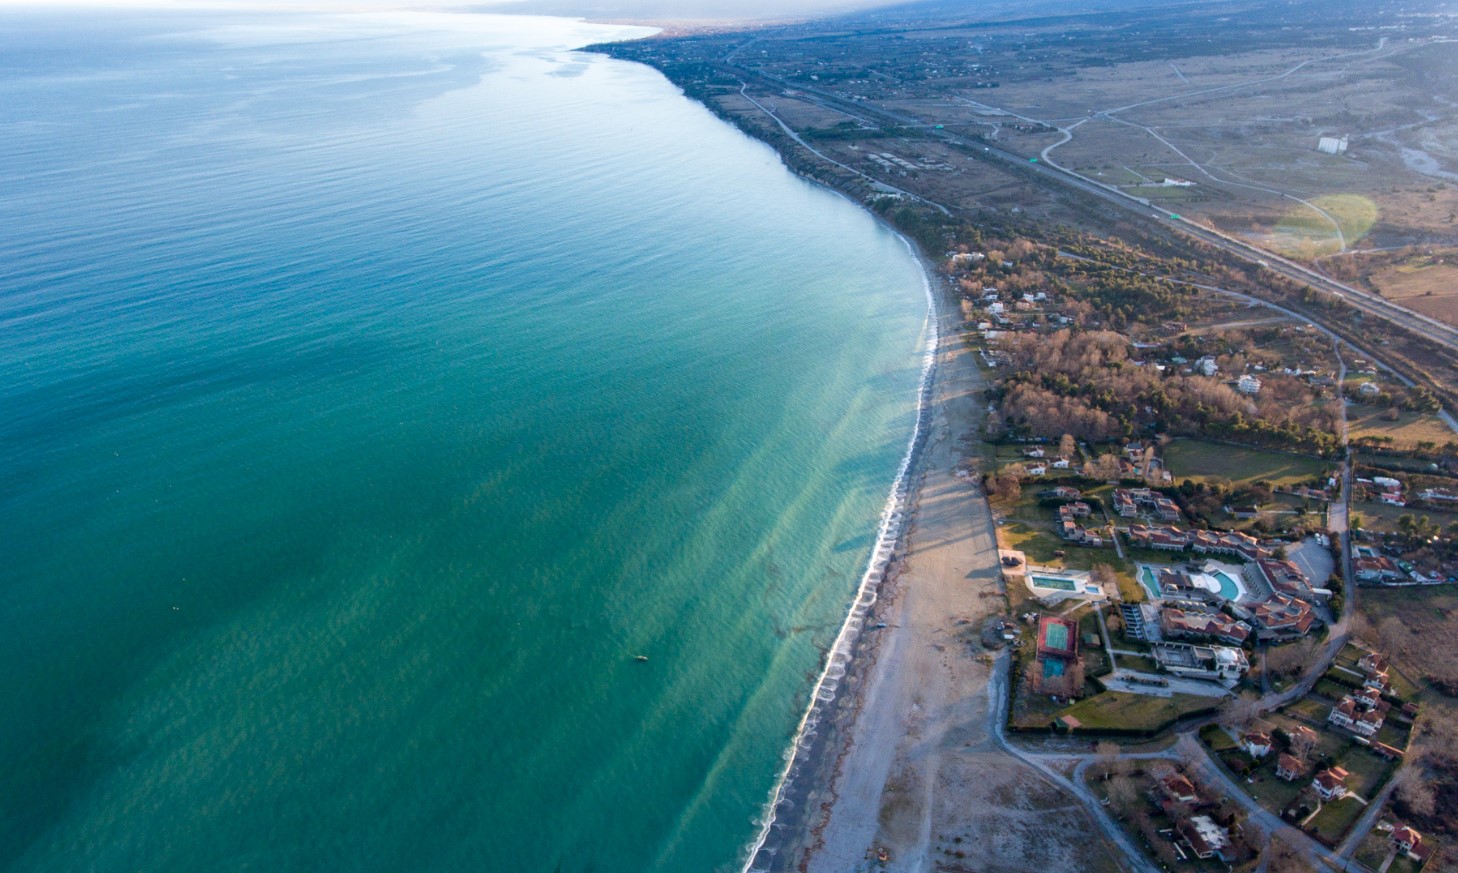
[1282,616]
[1356,718]
[1257,744]
[1410,843]
[1372,663]
[1178,788]
[1282,577]
[1331,783]
[1289,768]
[1180,624]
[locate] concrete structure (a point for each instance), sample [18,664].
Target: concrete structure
[1221,664]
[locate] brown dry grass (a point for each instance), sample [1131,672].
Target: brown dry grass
[1407,431]
[1428,287]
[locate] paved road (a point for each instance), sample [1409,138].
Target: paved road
[1437,331]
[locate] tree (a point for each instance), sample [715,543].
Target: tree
[1415,794]
[1067,446]
[1290,659]
[1122,791]
[1108,752]
[1285,858]
[1239,712]
[1302,744]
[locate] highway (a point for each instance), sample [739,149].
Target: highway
[1417,323]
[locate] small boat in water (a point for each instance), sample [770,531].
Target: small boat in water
[640,657]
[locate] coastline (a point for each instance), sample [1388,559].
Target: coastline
[908,756]
[815,753]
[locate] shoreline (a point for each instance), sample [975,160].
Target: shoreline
[838,691]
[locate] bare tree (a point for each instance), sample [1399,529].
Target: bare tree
[1302,743]
[1284,858]
[1239,712]
[1415,793]
[1067,446]
[1291,659]
[1123,793]
[1108,752]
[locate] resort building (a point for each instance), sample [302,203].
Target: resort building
[1280,617]
[1281,577]
[1179,624]
[1221,664]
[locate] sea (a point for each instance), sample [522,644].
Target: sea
[423,446]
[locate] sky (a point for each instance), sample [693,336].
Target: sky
[607,9]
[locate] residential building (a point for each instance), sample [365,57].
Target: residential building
[1347,714]
[1248,384]
[1331,783]
[1289,768]
[1205,838]
[1257,744]
[1410,843]
[1178,789]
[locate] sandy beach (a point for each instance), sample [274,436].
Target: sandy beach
[909,761]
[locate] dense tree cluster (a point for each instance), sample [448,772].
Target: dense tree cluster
[1084,383]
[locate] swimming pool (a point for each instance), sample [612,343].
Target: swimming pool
[1228,588]
[1146,578]
[1054,582]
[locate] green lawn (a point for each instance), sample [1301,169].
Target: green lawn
[1311,710]
[1118,709]
[1335,818]
[1270,792]
[1374,848]
[1203,461]
[1137,662]
[1369,772]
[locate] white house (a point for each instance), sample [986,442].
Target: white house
[1248,384]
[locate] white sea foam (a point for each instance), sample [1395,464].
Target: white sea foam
[888,535]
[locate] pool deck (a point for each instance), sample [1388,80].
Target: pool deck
[1084,588]
[1227,576]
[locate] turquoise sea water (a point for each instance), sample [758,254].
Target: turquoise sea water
[375,388]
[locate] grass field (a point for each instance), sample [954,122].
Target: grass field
[1369,772]
[1334,819]
[1203,461]
[1381,517]
[1305,232]
[1422,284]
[1407,431]
[1117,709]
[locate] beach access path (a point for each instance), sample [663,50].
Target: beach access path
[923,775]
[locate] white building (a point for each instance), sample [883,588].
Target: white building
[1330,145]
[1248,384]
